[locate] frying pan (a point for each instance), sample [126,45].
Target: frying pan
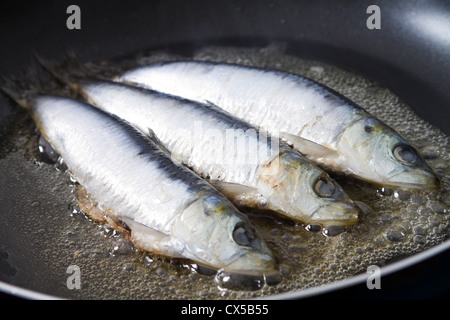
[410,55]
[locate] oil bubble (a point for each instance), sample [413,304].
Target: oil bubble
[438,207]
[395,235]
[385,217]
[385,192]
[285,269]
[128,267]
[402,195]
[419,230]
[313,228]
[430,152]
[122,247]
[419,239]
[418,199]
[424,211]
[35,204]
[365,209]
[333,231]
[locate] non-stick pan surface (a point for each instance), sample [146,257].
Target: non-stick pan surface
[410,54]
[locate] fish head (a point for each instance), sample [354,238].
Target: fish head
[216,235]
[302,191]
[378,154]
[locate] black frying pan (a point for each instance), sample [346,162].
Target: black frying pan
[410,55]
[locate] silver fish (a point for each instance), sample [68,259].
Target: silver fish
[322,124]
[247,165]
[169,209]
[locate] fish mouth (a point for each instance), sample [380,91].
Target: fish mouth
[337,214]
[413,180]
[246,281]
[249,274]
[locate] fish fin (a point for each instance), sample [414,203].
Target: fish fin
[142,237]
[309,148]
[88,205]
[214,106]
[152,135]
[118,225]
[240,195]
[211,104]
[139,227]
[149,239]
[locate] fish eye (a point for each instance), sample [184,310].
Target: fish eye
[368,129]
[211,205]
[243,234]
[406,154]
[324,187]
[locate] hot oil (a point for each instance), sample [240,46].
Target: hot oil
[41,224]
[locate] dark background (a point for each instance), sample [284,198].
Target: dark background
[410,54]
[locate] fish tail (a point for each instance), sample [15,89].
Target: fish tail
[68,73]
[13,88]
[72,70]
[21,87]
[27,84]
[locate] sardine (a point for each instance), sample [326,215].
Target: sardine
[167,208]
[246,164]
[328,128]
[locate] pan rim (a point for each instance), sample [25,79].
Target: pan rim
[362,277]
[388,269]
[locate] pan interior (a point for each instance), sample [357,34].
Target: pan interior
[42,233]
